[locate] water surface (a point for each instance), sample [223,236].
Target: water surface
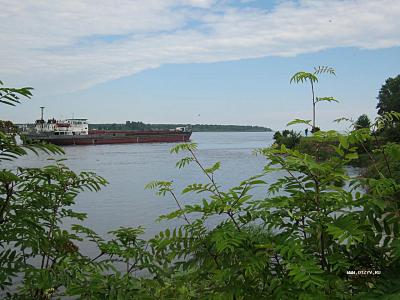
[129,167]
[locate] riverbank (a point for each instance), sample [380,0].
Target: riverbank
[194,127]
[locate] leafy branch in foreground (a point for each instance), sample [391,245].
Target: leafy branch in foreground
[301,77]
[12,96]
[298,233]
[301,240]
[33,204]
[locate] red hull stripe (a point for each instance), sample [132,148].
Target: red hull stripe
[98,139]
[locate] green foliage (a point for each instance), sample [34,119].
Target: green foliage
[288,138]
[315,129]
[389,96]
[312,78]
[389,103]
[363,122]
[301,244]
[326,99]
[12,96]
[388,126]
[298,239]
[324,69]
[277,135]
[184,147]
[303,77]
[33,204]
[299,121]
[386,163]
[131,125]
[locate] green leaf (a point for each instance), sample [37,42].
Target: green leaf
[214,168]
[303,77]
[343,142]
[324,69]
[351,156]
[184,147]
[299,121]
[326,99]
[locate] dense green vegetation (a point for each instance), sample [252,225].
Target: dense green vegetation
[307,238]
[388,100]
[389,95]
[363,122]
[130,125]
[289,138]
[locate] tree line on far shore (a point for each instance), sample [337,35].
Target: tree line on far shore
[131,125]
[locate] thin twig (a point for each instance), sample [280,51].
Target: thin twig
[218,193]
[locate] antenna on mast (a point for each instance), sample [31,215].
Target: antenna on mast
[42,108]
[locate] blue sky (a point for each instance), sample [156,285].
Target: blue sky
[198,61]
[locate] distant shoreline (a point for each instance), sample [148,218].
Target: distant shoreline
[194,127]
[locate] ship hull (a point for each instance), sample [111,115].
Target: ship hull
[113,137]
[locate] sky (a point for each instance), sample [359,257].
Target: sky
[197,61]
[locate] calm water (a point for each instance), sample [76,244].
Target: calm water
[129,167]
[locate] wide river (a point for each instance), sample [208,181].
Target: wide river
[129,167]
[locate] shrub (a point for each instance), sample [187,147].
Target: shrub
[363,122]
[315,129]
[277,135]
[305,239]
[288,138]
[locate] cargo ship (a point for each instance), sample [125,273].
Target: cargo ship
[76,132]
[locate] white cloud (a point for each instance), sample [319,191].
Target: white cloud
[69,45]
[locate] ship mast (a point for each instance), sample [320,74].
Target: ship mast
[41,108]
[41,118]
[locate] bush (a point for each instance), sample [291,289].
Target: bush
[277,135]
[391,133]
[362,122]
[315,129]
[299,242]
[288,138]
[305,239]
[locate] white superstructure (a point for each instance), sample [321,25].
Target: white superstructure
[63,127]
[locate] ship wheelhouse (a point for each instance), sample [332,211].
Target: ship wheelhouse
[64,127]
[72,127]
